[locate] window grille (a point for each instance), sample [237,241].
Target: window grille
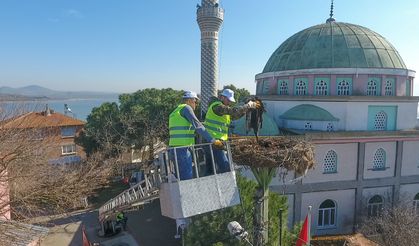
[329,127]
[330,162]
[343,88]
[388,88]
[372,88]
[308,126]
[380,121]
[301,88]
[321,88]
[283,88]
[379,162]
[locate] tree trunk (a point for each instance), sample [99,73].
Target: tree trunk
[261,217]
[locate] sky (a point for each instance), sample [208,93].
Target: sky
[127,45]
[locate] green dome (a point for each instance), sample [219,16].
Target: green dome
[334,45]
[308,112]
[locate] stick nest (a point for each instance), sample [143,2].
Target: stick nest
[290,153]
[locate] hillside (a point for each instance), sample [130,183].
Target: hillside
[34,92]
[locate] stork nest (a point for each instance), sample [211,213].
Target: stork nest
[290,153]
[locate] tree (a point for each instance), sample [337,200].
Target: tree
[104,131]
[395,225]
[139,121]
[30,186]
[211,228]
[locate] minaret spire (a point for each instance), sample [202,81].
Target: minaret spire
[209,16]
[331,14]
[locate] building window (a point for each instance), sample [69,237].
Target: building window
[380,121]
[344,88]
[321,88]
[329,127]
[379,162]
[389,88]
[375,206]
[307,126]
[372,88]
[68,131]
[301,88]
[327,214]
[330,162]
[416,204]
[68,149]
[266,87]
[282,87]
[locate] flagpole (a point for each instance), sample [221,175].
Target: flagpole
[309,225]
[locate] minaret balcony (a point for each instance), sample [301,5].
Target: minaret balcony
[206,12]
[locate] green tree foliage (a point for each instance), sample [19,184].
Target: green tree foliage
[103,131]
[140,119]
[240,94]
[145,114]
[211,228]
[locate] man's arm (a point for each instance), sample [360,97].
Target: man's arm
[234,112]
[189,114]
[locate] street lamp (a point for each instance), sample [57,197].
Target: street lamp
[237,230]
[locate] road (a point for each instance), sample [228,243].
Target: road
[146,227]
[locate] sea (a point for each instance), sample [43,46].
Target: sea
[79,108]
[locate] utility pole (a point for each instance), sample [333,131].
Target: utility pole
[209,16]
[280,227]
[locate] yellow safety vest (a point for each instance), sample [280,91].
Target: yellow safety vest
[181,130]
[217,126]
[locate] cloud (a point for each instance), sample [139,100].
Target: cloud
[73,13]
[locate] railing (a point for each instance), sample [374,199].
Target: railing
[166,171]
[143,192]
[202,155]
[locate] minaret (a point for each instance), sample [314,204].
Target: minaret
[210,17]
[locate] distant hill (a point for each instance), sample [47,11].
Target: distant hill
[39,92]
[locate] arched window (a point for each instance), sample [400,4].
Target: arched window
[301,88]
[330,162]
[307,126]
[380,121]
[344,88]
[389,88]
[375,205]
[282,87]
[321,88]
[327,214]
[329,127]
[416,204]
[379,162]
[372,88]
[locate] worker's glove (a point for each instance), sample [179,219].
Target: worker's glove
[251,104]
[258,104]
[218,144]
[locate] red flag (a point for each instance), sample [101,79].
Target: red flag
[304,234]
[84,236]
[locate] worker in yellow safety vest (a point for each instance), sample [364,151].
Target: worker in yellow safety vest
[182,127]
[218,120]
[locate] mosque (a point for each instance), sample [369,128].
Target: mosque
[347,89]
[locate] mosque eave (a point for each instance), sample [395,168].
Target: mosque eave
[346,71]
[384,99]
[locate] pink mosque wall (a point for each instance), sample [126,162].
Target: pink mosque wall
[359,83]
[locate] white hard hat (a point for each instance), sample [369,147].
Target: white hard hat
[190,94]
[229,94]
